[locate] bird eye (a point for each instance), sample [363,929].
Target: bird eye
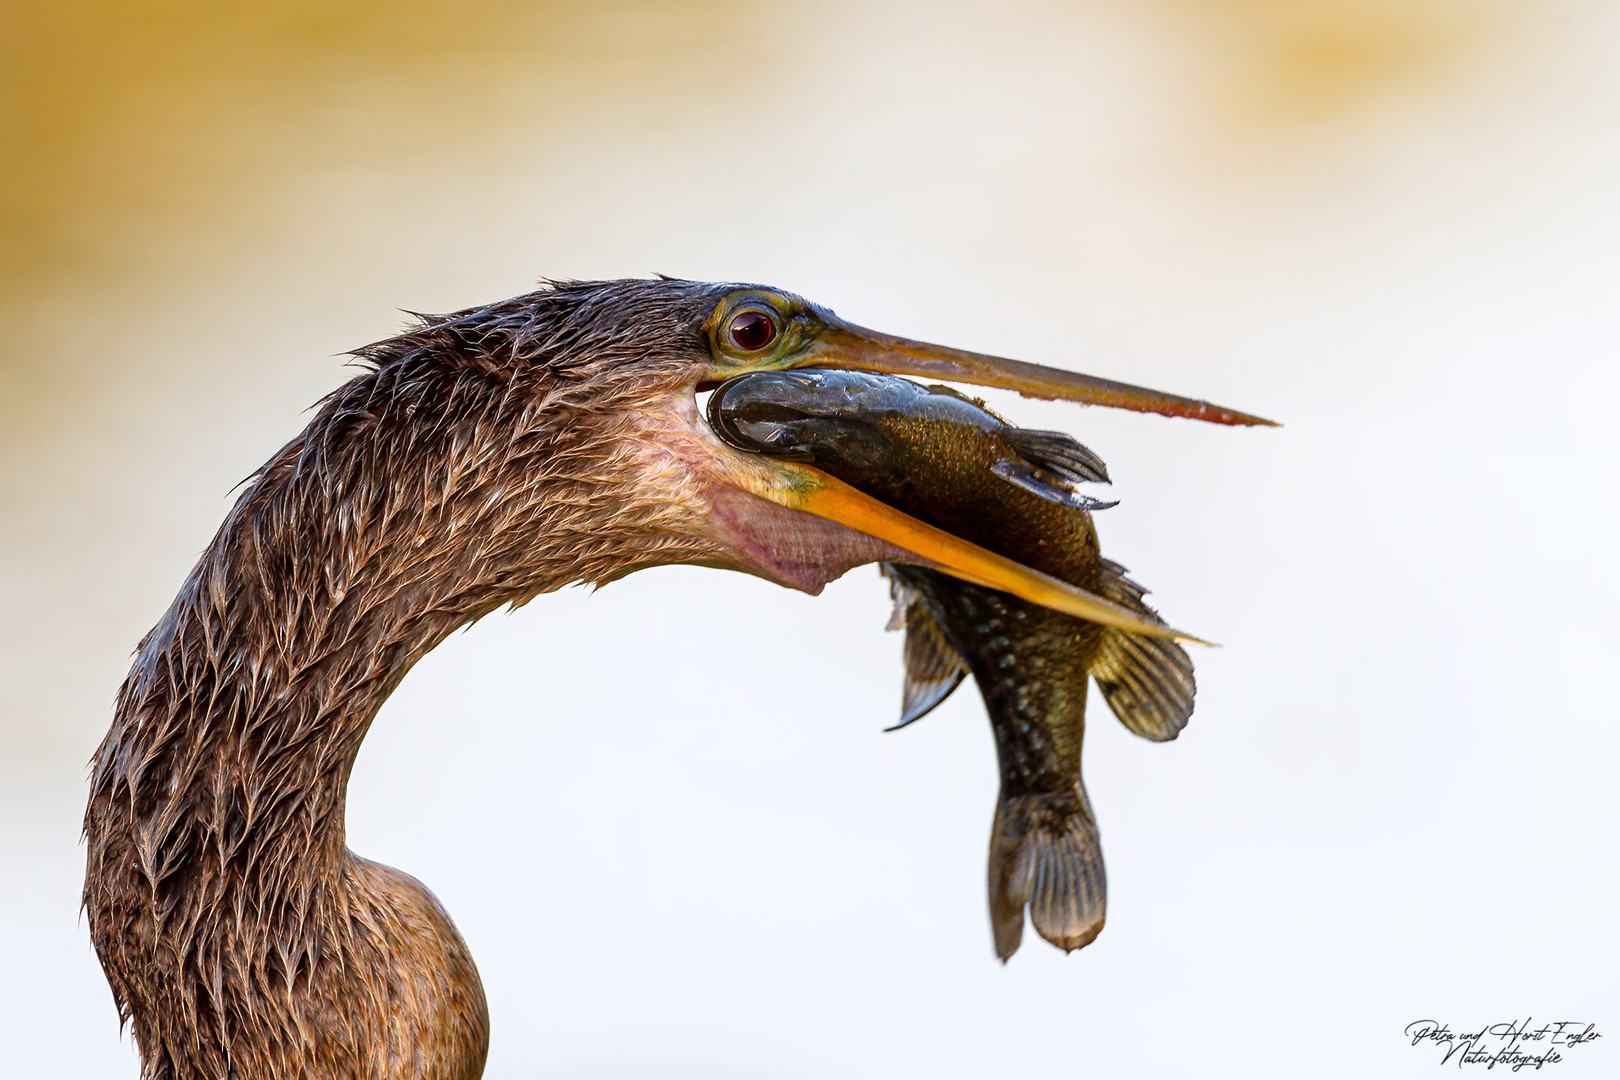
[752,331]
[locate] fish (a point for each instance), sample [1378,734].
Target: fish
[949,461]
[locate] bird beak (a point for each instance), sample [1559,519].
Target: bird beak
[801,487]
[855,348]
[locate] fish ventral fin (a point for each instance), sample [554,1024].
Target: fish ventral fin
[933,668]
[1050,464]
[1045,854]
[1147,682]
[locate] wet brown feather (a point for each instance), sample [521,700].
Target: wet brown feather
[486,457]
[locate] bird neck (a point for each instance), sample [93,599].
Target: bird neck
[238,932]
[240,935]
[392,520]
[239,724]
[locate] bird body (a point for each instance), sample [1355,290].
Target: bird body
[486,457]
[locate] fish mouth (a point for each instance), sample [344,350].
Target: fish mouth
[801,487]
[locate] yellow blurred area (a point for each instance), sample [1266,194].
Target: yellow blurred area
[121,118]
[1390,224]
[1307,61]
[124,118]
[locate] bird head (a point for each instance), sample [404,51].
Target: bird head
[600,380]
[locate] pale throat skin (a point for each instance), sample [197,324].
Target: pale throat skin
[487,457]
[751,534]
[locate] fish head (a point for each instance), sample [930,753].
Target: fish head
[864,449]
[871,430]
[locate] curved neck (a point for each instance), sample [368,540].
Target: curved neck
[246,705]
[236,930]
[415,501]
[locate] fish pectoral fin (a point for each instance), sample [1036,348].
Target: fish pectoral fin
[933,666]
[1147,682]
[1059,454]
[1045,853]
[1045,485]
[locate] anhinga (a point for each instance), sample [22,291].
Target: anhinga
[486,457]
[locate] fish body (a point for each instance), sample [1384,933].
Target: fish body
[950,462]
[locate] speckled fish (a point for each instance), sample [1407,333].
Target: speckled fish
[949,462]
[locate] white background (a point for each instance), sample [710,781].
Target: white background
[664,815]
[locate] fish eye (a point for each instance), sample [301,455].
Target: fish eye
[751,331]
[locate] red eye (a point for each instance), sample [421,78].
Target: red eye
[752,331]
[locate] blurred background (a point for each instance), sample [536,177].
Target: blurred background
[1391,224]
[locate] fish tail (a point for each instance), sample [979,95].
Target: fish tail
[1147,682]
[1045,854]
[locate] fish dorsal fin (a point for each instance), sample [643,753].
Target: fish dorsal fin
[1147,682]
[933,668]
[1061,455]
[1049,465]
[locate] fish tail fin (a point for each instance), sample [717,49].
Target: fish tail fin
[1045,854]
[1147,682]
